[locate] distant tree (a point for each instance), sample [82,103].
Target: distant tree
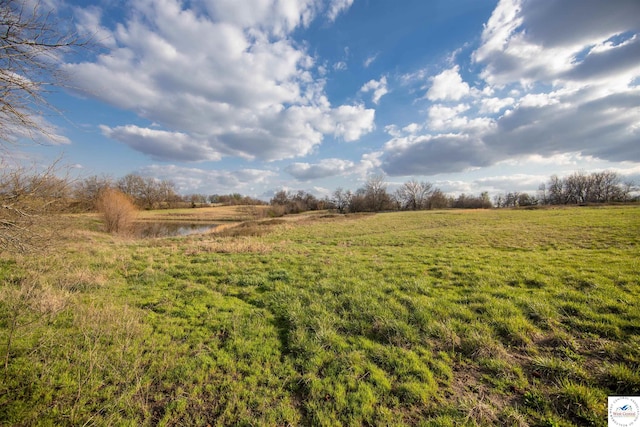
[341,199]
[511,199]
[280,198]
[556,194]
[485,200]
[525,199]
[147,193]
[626,189]
[300,201]
[465,201]
[438,200]
[414,195]
[196,199]
[580,187]
[358,201]
[577,187]
[542,194]
[167,194]
[87,191]
[375,193]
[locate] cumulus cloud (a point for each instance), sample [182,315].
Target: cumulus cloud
[352,121]
[495,104]
[325,168]
[544,89]
[275,17]
[195,180]
[448,86]
[378,87]
[161,144]
[223,78]
[442,117]
[525,41]
[431,155]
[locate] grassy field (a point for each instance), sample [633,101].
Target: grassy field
[438,318]
[206,214]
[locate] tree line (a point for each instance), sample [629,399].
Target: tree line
[577,188]
[147,193]
[374,196]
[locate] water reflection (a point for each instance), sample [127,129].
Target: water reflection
[168,229]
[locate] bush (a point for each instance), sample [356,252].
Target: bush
[118,211]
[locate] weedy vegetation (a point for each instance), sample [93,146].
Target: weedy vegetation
[433,318]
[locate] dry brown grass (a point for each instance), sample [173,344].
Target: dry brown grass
[231,246]
[208,214]
[118,211]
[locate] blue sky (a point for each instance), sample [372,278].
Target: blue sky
[255,96]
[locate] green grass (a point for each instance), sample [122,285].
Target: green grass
[427,318]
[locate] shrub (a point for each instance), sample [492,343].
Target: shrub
[118,211]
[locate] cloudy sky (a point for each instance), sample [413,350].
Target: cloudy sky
[254,96]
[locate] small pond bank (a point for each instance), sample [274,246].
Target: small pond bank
[151,229]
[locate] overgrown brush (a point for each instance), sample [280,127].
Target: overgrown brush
[118,211]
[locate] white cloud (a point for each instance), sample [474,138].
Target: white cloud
[352,121]
[276,17]
[506,183]
[161,144]
[248,91]
[88,24]
[412,128]
[431,155]
[545,89]
[340,66]
[442,117]
[495,105]
[370,60]
[194,180]
[42,131]
[378,87]
[448,86]
[325,168]
[336,7]
[523,41]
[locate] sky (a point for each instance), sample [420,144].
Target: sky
[256,96]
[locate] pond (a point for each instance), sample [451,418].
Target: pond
[147,229]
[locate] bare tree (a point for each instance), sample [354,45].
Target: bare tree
[414,195]
[31,45]
[556,190]
[28,197]
[579,187]
[87,191]
[341,199]
[437,200]
[148,193]
[376,196]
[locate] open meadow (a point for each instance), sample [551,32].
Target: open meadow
[434,318]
